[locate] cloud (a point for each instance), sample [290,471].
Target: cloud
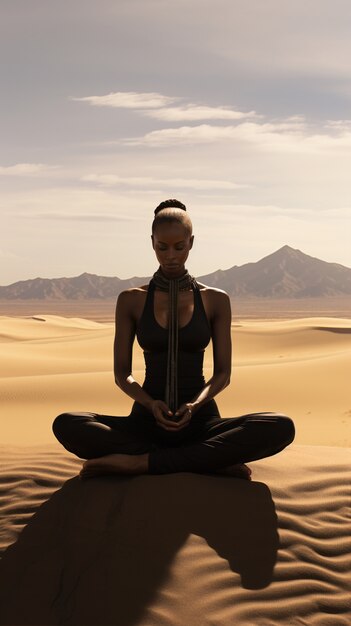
[144,181]
[73,203]
[339,125]
[288,136]
[155,105]
[24,169]
[194,112]
[230,212]
[94,217]
[128,100]
[204,133]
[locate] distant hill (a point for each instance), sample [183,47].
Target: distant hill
[286,273]
[83,287]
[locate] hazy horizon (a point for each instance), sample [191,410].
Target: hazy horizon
[187,265]
[239,109]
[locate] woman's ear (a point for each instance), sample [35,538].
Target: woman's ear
[191,241]
[152,241]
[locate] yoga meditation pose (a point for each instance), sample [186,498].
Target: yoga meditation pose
[174,424]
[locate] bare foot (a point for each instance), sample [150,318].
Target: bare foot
[239,470]
[115,464]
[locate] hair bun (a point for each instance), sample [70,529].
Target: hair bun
[167,204]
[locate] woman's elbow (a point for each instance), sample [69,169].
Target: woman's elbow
[225,378]
[118,379]
[121,378]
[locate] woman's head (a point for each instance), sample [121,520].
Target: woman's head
[172,211]
[172,237]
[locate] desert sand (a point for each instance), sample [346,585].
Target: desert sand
[51,364]
[181,549]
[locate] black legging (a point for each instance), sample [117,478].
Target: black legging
[204,445]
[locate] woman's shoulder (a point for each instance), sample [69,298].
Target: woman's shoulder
[131,292]
[216,301]
[130,301]
[212,292]
[131,295]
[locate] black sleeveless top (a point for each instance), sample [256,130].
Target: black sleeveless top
[193,338]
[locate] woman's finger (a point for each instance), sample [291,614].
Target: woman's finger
[184,408]
[185,420]
[180,423]
[165,408]
[170,428]
[166,423]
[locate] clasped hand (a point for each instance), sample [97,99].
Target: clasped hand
[164,416]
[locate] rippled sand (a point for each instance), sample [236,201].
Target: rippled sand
[181,549]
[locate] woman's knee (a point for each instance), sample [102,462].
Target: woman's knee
[62,425]
[286,427]
[281,427]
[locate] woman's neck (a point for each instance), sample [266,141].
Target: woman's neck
[179,283]
[169,275]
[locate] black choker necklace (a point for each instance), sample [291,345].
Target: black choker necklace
[163,283]
[173,286]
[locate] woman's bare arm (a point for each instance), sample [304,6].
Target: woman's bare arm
[123,351]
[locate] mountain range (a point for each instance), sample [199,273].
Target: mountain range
[286,273]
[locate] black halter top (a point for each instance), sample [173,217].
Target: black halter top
[192,341]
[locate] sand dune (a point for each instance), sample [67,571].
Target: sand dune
[299,367]
[176,549]
[181,549]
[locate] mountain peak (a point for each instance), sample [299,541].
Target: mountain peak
[288,251]
[285,273]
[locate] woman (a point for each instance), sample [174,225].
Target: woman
[174,424]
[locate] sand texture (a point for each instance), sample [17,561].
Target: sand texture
[179,549]
[176,549]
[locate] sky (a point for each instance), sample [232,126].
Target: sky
[238,108]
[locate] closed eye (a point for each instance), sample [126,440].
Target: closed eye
[162,249]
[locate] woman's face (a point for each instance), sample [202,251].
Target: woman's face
[172,244]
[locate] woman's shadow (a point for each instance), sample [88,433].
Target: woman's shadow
[99,550]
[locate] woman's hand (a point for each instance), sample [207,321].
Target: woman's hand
[163,415]
[184,414]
